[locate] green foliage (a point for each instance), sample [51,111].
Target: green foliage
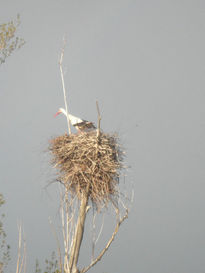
[37,269]
[8,41]
[4,247]
[51,265]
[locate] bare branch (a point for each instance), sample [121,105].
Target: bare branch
[99,119]
[21,260]
[63,83]
[94,239]
[108,244]
[93,235]
[19,250]
[65,227]
[72,221]
[101,229]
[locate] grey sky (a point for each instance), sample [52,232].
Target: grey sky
[144,62]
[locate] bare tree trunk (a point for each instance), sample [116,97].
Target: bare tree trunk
[78,234]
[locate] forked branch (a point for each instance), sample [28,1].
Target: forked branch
[108,243]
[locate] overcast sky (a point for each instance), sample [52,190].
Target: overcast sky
[144,62]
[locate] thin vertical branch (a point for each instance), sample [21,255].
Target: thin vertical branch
[94,239]
[19,250]
[67,224]
[72,212]
[63,84]
[101,229]
[65,230]
[21,260]
[93,235]
[99,119]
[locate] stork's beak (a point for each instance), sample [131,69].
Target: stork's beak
[58,113]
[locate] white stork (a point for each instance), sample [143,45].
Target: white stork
[78,123]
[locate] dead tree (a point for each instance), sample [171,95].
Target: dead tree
[89,165]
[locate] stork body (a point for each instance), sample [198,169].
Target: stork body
[78,123]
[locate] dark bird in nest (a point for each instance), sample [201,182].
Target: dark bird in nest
[80,124]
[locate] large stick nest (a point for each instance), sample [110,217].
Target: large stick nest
[85,161]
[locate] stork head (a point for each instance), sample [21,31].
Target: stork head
[60,110]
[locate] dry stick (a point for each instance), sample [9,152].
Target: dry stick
[108,244]
[79,231]
[99,119]
[63,84]
[94,242]
[20,261]
[65,230]
[19,250]
[67,222]
[25,257]
[23,262]
[72,220]
[93,235]
[98,129]
[101,229]
[67,237]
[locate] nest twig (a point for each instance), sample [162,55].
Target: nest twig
[83,158]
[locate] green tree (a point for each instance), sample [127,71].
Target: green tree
[8,39]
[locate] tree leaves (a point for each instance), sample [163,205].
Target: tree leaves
[8,39]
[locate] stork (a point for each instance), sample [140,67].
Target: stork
[78,123]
